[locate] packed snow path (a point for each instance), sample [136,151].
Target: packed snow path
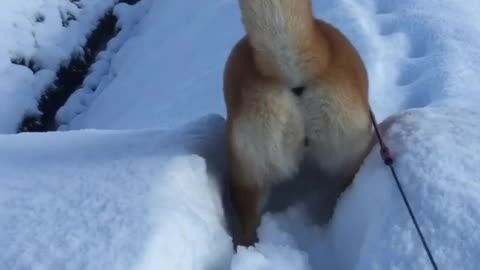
[149,197]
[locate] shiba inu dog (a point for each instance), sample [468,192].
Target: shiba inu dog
[295,88]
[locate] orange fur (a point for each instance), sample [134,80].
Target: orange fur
[267,124]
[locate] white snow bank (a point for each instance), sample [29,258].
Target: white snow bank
[113,200]
[371,228]
[437,161]
[44,35]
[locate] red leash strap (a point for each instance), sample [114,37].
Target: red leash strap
[384,151]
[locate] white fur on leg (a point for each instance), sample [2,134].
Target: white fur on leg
[269,139]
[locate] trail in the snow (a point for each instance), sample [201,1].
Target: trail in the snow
[391,51]
[69,78]
[415,49]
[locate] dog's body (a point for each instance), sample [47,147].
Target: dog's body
[272,128]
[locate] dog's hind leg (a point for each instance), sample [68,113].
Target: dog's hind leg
[266,144]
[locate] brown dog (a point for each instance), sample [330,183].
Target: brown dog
[294,87]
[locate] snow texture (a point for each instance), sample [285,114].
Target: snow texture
[113,200]
[134,180]
[39,37]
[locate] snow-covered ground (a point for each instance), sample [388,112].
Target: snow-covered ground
[41,34]
[134,179]
[113,200]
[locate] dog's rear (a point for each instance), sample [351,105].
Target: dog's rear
[271,127]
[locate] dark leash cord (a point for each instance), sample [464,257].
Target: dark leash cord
[388,160]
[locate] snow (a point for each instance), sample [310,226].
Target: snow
[113,200]
[134,180]
[165,88]
[440,176]
[371,228]
[41,34]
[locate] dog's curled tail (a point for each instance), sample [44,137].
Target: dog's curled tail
[281,33]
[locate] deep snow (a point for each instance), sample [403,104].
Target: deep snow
[143,198]
[113,200]
[43,34]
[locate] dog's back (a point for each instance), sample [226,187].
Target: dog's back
[294,87]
